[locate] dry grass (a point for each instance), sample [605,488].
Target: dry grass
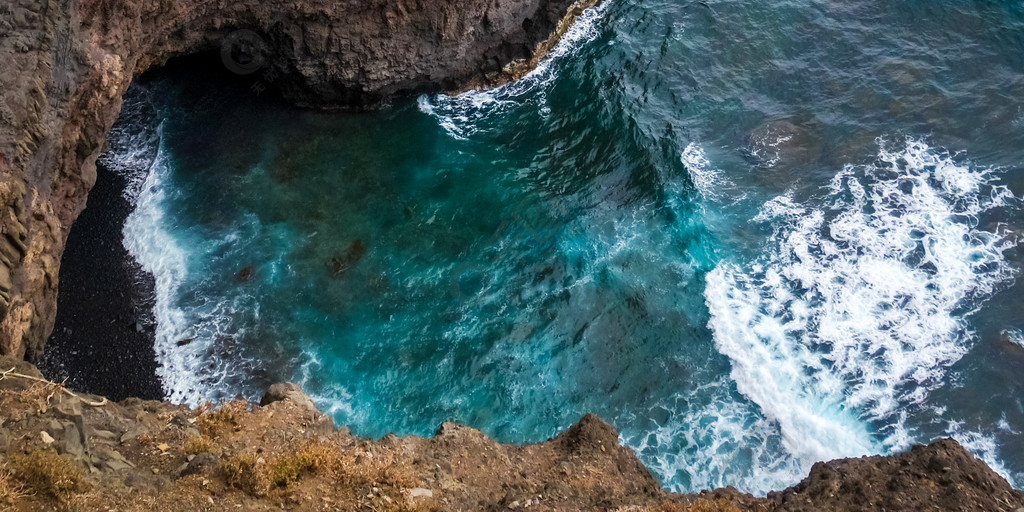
[34,400]
[198,444]
[216,421]
[47,473]
[699,505]
[356,478]
[10,489]
[40,394]
[258,476]
[247,473]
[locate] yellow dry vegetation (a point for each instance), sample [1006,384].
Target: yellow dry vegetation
[374,481]
[10,489]
[47,473]
[216,421]
[198,444]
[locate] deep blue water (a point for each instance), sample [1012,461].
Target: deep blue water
[750,235]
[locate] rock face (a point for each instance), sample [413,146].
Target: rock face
[66,64]
[139,455]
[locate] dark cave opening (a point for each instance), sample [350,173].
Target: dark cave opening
[103,337]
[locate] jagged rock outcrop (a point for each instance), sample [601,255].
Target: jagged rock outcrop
[66,64]
[82,453]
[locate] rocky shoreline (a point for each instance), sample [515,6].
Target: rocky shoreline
[117,309]
[69,62]
[81,452]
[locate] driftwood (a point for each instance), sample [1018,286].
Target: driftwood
[12,373]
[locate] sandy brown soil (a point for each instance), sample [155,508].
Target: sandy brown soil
[65,452]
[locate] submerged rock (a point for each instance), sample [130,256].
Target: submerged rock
[782,143]
[344,261]
[245,275]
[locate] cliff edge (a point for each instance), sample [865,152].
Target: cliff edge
[60,450]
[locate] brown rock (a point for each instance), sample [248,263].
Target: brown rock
[288,391]
[282,453]
[202,464]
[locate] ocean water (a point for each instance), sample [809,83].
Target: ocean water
[751,236]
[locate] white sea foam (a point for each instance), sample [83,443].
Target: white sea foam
[765,148]
[723,442]
[859,304]
[708,179]
[460,115]
[1015,336]
[187,372]
[134,152]
[133,142]
[147,239]
[984,447]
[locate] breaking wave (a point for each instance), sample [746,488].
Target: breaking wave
[861,301]
[463,115]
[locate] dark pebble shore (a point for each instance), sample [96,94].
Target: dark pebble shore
[102,342]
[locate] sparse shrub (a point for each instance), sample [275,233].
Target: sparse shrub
[258,477]
[10,489]
[198,444]
[353,474]
[47,473]
[216,421]
[701,505]
[247,473]
[317,456]
[286,471]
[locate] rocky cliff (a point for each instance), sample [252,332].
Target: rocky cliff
[59,450]
[66,64]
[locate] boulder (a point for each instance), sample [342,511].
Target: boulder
[288,391]
[202,464]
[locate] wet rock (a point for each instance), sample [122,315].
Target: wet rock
[1012,340]
[288,391]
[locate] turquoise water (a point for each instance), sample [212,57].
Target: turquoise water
[750,236]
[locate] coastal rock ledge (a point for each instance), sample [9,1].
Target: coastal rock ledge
[66,64]
[66,451]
